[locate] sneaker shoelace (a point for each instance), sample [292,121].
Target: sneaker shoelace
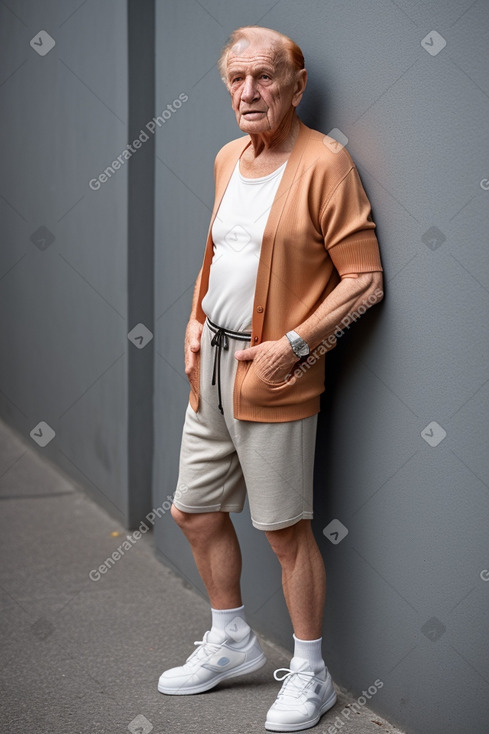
[295,681]
[204,649]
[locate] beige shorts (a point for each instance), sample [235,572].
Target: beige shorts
[222,459]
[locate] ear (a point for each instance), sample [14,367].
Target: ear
[300,85]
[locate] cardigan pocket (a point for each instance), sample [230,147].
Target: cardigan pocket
[261,392]
[298,397]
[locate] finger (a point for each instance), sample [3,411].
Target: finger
[245,355]
[189,363]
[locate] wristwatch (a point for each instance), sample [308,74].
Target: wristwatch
[299,346]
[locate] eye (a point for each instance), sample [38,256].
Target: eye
[265,76]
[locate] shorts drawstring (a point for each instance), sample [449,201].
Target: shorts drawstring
[220,340]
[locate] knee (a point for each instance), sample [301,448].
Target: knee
[197,525]
[283,542]
[286,542]
[179,516]
[185,520]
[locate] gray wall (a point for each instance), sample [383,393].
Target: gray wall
[76,263]
[406,600]
[407,589]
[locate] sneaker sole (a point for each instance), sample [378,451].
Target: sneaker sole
[250,667]
[328,704]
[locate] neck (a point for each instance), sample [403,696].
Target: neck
[280,140]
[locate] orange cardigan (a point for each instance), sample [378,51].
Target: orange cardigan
[319,229]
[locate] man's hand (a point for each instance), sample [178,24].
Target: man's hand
[273,360]
[193,334]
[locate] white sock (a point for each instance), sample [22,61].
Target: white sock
[221,618]
[310,650]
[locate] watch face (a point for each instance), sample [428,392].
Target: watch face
[300,347]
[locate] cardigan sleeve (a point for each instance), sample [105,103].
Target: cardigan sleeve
[348,228]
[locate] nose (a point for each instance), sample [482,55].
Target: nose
[249,90]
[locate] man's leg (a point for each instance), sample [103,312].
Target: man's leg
[230,648]
[303,577]
[216,552]
[307,692]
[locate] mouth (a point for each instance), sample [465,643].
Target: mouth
[253,113]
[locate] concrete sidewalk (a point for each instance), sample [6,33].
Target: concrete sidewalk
[82,656]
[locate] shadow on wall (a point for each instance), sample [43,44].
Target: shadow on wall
[313,109]
[341,364]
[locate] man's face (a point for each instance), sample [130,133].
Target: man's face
[261,85]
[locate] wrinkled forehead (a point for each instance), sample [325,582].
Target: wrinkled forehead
[257,51]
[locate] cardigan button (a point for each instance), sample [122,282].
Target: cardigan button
[255,339]
[259,309]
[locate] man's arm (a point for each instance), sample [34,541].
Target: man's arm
[352,292]
[275,359]
[193,333]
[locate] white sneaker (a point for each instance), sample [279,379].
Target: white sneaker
[235,652]
[303,698]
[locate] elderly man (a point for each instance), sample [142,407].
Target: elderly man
[291,255]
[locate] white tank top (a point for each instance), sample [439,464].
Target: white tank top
[237,235]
